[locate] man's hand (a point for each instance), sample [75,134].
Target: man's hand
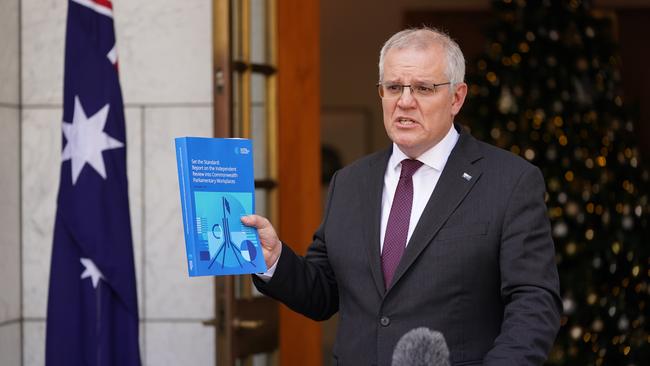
[271,245]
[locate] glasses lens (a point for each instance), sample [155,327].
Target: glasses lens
[390,90]
[423,90]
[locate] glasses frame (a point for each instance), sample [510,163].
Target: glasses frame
[410,86]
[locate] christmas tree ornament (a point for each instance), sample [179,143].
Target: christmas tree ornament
[548,87]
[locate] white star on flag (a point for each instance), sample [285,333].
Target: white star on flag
[91,271]
[87,139]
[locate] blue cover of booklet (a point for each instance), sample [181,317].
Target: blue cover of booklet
[217,187]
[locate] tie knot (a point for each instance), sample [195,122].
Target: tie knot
[409,167]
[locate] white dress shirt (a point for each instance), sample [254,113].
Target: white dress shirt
[424,182]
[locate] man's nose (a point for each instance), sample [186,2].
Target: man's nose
[406,100]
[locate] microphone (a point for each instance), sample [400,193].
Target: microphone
[421,347]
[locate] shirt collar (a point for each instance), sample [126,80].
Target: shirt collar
[436,157]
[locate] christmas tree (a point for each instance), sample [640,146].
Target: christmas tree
[547,88]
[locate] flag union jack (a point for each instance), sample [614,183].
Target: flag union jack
[92,315]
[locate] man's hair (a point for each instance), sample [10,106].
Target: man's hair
[423,38]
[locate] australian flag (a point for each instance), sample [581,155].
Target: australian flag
[92,313]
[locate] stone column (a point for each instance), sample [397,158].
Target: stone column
[165,59]
[10,258]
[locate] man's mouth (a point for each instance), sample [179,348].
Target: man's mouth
[405,121]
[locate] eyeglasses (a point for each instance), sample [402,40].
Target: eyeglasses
[393,90]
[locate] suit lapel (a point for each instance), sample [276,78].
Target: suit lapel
[457,179]
[371,189]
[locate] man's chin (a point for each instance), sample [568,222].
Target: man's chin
[406,139]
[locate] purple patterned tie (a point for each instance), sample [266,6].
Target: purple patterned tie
[398,221]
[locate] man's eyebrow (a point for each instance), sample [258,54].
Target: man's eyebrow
[412,82]
[423,81]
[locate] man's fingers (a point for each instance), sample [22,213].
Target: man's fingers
[271,245]
[264,228]
[255,221]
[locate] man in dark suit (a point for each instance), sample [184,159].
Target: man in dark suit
[440,231]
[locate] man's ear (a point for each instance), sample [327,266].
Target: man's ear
[460,92]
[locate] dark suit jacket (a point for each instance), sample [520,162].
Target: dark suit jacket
[479,266]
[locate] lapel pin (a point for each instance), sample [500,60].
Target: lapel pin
[467,177]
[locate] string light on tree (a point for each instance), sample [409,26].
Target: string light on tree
[547,88]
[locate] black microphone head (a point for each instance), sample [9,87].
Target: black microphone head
[421,347]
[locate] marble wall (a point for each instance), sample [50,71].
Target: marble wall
[10,263]
[164,51]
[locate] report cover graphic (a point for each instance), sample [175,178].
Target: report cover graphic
[217,188]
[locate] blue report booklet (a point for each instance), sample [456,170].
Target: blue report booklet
[216,182]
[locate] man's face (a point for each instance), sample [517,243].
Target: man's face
[417,123]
